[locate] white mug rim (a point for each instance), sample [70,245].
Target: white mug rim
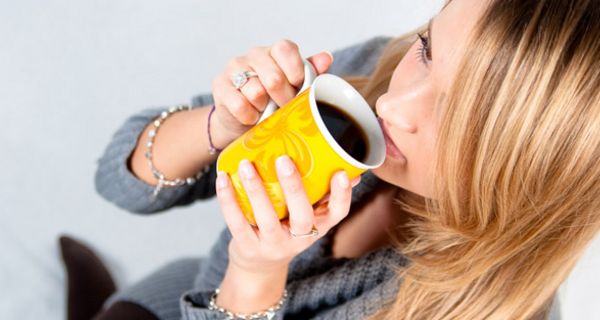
[375,137]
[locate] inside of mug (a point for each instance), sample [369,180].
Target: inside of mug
[336,91]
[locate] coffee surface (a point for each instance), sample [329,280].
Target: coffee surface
[345,130]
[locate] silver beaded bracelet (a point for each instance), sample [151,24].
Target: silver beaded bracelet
[162,181]
[262,315]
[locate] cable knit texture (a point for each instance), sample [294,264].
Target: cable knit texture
[319,285]
[115,182]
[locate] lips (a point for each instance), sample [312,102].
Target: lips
[391,147]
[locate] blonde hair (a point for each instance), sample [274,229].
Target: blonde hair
[518,166]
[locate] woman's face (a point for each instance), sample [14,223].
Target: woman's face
[410,111]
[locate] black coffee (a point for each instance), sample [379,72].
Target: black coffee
[345,130]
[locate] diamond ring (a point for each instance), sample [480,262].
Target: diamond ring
[313,232]
[239,79]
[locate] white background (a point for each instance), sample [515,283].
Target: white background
[72,71]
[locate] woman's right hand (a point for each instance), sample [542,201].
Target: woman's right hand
[280,75]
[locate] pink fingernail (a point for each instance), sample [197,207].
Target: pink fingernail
[343,180]
[355,181]
[284,165]
[222,179]
[246,169]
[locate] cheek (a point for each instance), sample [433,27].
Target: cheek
[412,85]
[424,172]
[411,99]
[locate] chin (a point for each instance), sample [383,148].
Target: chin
[396,173]
[392,172]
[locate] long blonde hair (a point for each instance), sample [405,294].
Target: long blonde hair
[518,166]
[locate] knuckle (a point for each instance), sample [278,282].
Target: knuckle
[294,186]
[254,51]
[280,256]
[242,112]
[236,61]
[268,228]
[273,81]
[251,254]
[248,119]
[297,76]
[271,252]
[237,228]
[285,46]
[255,93]
[237,107]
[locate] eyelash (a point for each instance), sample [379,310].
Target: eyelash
[424,52]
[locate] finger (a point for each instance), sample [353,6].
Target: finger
[339,199]
[354,182]
[325,199]
[264,213]
[252,90]
[299,207]
[322,200]
[321,61]
[271,76]
[233,215]
[234,101]
[287,56]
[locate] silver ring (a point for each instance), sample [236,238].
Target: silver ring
[239,79]
[313,232]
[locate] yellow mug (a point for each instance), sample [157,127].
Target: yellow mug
[297,129]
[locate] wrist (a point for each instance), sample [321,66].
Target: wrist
[220,135]
[246,291]
[263,314]
[251,267]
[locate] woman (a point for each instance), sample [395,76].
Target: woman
[487,197]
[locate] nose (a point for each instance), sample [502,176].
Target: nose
[394,114]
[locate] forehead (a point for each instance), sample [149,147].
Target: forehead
[450,30]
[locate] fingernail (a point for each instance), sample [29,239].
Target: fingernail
[246,169]
[284,166]
[329,53]
[222,179]
[343,179]
[355,181]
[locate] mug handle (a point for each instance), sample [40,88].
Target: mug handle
[309,77]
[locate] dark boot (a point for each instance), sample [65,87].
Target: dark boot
[89,282]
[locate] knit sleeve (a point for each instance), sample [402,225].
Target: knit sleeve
[358,59]
[115,182]
[194,303]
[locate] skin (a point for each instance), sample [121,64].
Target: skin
[412,106]
[410,109]
[259,256]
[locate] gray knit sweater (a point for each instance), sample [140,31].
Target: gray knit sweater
[319,285]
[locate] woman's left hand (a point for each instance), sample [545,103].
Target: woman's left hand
[270,245]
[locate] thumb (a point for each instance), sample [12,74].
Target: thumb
[321,61]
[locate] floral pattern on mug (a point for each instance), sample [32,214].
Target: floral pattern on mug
[286,132]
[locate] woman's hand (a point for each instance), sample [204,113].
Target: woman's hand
[280,75]
[270,246]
